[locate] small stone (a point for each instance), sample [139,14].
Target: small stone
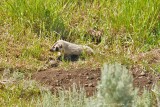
[142,74]
[87,77]
[57,84]
[98,79]
[53,63]
[57,81]
[140,77]
[90,85]
[71,80]
[106,47]
[86,85]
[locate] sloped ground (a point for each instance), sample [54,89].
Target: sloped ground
[59,79]
[89,77]
[148,75]
[151,57]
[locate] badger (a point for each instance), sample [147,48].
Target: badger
[67,49]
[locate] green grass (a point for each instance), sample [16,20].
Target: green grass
[16,91]
[28,28]
[126,26]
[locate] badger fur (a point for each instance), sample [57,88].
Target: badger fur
[68,49]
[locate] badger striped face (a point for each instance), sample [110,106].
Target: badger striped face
[56,47]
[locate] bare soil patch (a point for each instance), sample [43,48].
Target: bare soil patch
[58,79]
[143,79]
[89,77]
[146,77]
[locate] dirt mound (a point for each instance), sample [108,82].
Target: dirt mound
[58,79]
[151,57]
[89,77]
[146,77]
[143,79]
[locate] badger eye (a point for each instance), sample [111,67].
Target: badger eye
[60,46]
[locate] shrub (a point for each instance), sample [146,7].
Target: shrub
[64,98]
[115,88]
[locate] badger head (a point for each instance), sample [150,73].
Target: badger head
[57,47]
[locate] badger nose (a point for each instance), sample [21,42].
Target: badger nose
[51,50]
[57,49]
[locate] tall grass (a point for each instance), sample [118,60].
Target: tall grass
[29,27]
[137,20]
[36,14]
[74,98]
[122,24]
[16,91]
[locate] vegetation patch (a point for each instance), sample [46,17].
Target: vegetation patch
[125,32]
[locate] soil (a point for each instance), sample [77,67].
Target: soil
[58,79]
[89,77]
[143,79]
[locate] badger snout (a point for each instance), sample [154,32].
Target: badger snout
[57,49]
[51,50]
[54,49]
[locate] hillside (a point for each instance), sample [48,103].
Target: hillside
[124,32]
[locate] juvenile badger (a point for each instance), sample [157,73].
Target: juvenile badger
[67,49]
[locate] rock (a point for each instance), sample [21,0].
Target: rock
[86,85]
[90,85]
[53,63]
[142,74]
